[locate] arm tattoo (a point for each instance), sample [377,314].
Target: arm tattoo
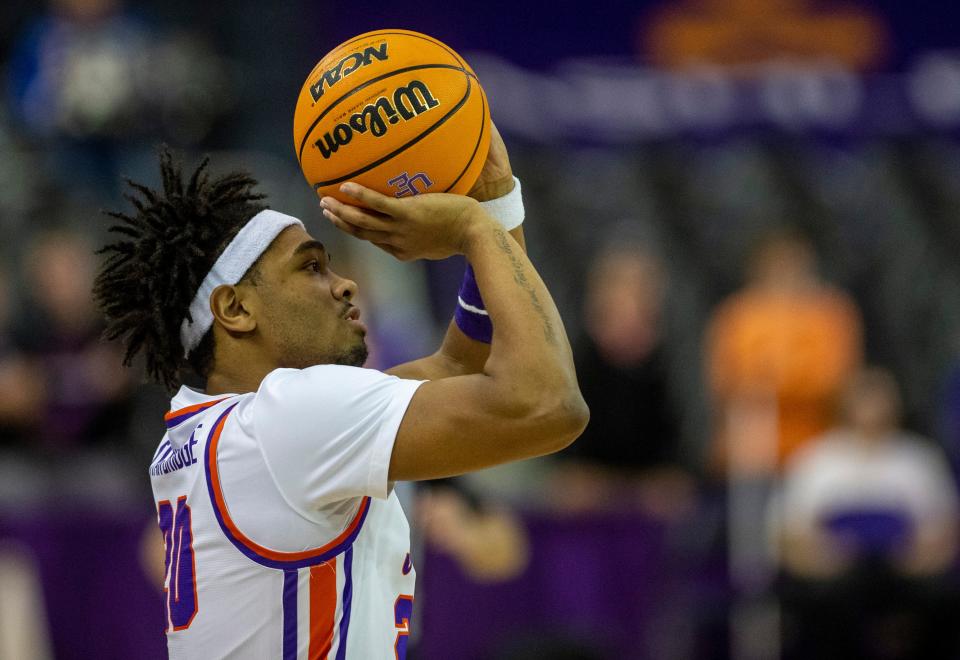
[520,277]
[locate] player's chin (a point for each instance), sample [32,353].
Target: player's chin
[355,356]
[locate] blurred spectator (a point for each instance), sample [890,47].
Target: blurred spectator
[630,447]
[87,394]
[73,72]
[949,421]
[21,384]
[24,630]
[868,522]
[89,75]
[778,353]
[488,542]
[900,483]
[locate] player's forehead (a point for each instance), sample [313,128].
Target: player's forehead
[289,245]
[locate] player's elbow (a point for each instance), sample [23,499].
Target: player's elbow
[574,415]
[561,420]
[547,416]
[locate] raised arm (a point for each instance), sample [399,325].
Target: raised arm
[458,354]
[525,402]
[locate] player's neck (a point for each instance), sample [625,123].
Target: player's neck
[238,366]
[219,385]
[246,377]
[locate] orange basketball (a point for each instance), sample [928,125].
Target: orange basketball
[396,111]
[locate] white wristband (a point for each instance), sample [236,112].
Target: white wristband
[507,210]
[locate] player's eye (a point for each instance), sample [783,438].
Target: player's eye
[314,265]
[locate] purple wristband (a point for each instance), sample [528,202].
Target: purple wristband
[471,317]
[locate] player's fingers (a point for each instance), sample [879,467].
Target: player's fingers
[370,198]
[356,215]
[354,230]
[386,247]
[394,251]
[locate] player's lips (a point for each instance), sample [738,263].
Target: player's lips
[352,315]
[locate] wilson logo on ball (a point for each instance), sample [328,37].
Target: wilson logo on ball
[408,101]
[346,66]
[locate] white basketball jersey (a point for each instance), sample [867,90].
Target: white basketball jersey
[283,537]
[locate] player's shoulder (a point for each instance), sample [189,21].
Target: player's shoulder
[319,378]
[323,388]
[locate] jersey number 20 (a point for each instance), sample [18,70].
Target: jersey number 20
[180,584]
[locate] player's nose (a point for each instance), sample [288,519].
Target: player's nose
[343,288]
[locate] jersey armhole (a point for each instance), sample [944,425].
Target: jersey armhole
[300,511]
[262,554]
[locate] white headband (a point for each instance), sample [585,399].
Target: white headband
[246,247]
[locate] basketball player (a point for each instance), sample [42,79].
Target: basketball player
[274,485]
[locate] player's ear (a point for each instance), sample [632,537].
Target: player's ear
[231,309]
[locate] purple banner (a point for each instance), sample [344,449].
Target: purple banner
[587,100]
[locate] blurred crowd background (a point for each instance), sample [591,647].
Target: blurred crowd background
[747,211]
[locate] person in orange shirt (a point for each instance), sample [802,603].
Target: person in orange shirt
[778,354]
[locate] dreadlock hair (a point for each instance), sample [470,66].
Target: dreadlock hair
[169,243]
